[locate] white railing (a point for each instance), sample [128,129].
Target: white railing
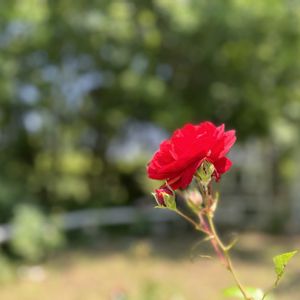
[101,217]
[231,214]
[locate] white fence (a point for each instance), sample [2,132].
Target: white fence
[232,211]
[102,217]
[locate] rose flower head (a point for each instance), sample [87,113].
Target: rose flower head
[180,156]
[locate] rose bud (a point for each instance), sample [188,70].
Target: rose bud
[164,196]
[194,197]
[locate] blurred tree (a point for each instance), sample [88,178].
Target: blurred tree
[75,74]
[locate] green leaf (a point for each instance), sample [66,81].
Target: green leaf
[280,263]
[234,291]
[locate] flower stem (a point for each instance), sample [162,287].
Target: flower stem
[221,250]
[269,290]
[190,220]
[227,257]
[216,246]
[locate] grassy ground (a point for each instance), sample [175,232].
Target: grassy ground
[160,269]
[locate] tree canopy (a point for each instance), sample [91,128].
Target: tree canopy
[78,76]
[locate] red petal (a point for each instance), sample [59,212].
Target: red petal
[222,165]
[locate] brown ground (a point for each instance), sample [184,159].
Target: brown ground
[155,270]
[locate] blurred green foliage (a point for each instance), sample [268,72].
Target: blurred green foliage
[34,235]
[75,74]
[7,270]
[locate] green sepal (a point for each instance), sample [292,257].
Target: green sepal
[170,202]
[205,172]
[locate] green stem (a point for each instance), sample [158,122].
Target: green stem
[269,290]
[190,220]
[210,230]
[227,258]
[265,295]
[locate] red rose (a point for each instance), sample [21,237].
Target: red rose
[179,157]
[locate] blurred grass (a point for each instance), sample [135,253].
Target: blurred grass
[159,269]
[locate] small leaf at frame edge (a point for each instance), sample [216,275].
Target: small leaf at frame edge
[280,263]
[234,291]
